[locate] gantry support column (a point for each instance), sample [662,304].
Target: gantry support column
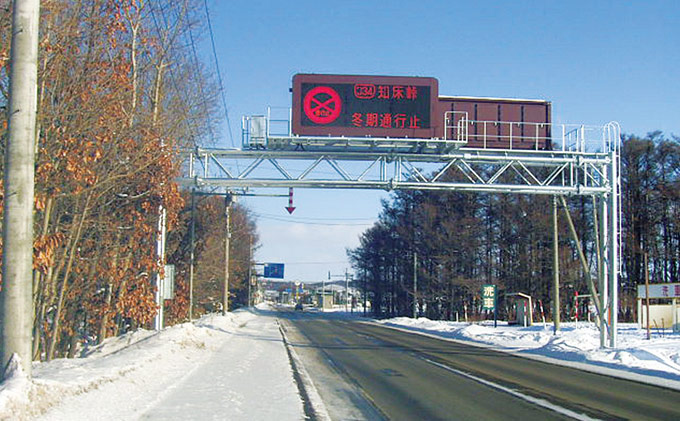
[613,241]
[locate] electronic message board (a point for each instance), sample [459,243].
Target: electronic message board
[377,106]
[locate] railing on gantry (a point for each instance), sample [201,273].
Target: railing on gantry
[530,136]
[459,131]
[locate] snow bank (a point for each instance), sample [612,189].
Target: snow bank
[656,360]
[127,369]
[14,391]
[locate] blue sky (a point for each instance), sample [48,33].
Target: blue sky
[596,61]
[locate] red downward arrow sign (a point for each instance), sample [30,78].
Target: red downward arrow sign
[290,207]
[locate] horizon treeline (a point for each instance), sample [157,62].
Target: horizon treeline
[121,91]
[462,241]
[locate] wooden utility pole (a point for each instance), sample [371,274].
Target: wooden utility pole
[192,255]
[649,335]
[225,291]
[365,290]
[415,285]
[16,301]
[250,267]
[160,253]
[346,290]
[556,270]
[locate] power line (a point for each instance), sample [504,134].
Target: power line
[366,220]
[219,75]
[337,262]
[303,222]
[190,129]
[200,84]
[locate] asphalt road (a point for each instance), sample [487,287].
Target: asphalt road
[367,371]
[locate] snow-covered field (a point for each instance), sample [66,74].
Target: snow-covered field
[236,367]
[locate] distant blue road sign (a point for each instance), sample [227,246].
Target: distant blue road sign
[273,270]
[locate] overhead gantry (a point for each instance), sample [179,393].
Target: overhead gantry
[582,161]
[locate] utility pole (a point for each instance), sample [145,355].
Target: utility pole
[250,260]
[323,292]
[160,252]
[229,197]
[16,301]
[225,292]
[556,270]
[649,335]
[346,289]
[415,285]
[365,291]
[192,249]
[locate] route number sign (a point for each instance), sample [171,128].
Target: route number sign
[377,106]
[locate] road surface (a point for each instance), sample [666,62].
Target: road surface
[368,371]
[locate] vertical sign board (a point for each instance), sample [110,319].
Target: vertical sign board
[488,297]
[273,270]
[489,300]
[360,106]
[168,283]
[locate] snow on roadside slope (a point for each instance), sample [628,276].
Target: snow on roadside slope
[656,360]
[123,377]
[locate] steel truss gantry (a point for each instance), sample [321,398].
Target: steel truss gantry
[571,171]
[494,171]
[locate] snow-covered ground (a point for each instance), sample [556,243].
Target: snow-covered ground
[236,367]
[654,361]
[219,367]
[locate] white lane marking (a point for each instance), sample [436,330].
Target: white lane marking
[537,401]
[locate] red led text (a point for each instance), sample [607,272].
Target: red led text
[394,92]
[386,120]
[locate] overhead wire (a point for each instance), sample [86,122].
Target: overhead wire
[319,219]
[174,84]
[201,91]
[219,74]
[337,262]
[191,128]
[197,70]
[306,222]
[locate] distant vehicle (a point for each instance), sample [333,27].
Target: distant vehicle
[298,306]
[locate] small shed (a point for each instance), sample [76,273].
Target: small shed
[324,300]
[664,312]
[522,308]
